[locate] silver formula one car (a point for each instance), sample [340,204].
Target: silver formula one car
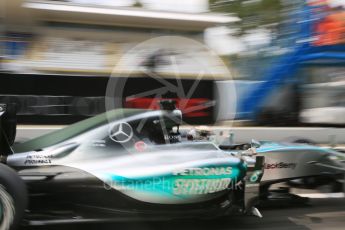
[126,164]
[135,165]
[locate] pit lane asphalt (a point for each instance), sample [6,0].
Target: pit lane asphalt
[328,213]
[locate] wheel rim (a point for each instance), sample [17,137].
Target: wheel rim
[7,209]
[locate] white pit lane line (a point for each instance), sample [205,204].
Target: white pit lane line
[322,195]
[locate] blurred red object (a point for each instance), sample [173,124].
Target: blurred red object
[191,107]
[331,30]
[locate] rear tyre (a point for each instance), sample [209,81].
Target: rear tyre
[13,198]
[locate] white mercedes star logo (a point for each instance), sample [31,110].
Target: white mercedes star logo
[121,132]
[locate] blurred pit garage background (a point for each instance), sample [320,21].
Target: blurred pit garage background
[286,62]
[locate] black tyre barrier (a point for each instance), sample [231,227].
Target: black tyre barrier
[53,108]
[64,99]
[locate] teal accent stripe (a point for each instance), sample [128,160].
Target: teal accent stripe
[280,147]
[164,185]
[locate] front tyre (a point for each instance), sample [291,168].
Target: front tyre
[13,198]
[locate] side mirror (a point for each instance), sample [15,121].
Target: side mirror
[255,144]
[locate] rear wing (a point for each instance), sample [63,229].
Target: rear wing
[8,128]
